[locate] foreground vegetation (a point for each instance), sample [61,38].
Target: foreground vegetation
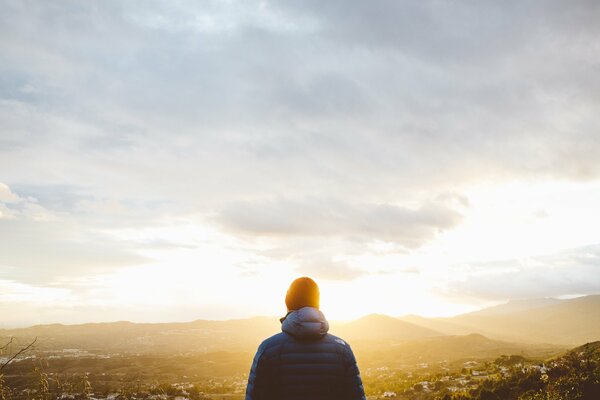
[573,376]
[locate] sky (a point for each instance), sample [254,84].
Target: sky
[182,160]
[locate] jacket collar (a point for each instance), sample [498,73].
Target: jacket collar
[305,323]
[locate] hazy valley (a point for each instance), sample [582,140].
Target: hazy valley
[214,356]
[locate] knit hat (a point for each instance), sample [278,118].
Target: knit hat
[303,292]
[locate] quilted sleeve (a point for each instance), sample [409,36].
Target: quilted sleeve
[354,386]
[255,387]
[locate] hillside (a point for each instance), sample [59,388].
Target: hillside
[574,375]
[447,349]
[567,322]
[563,322]
[383,327]
[215,355]
[513,306]
[199,336]
[438,325]
[151,338]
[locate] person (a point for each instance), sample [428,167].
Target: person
[304,361]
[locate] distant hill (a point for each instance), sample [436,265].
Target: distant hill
[562,322]
[383,327]
[449,348]
[566,322]
[158,338]
[439,325]
[199,336]
[517,306]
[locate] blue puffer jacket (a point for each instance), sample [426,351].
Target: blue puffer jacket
[304,362]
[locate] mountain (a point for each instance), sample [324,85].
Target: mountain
[158,338]
[562,322]
[438,324]
[199,336]
[517,306]
[383,327]
[566,322]
[448,349]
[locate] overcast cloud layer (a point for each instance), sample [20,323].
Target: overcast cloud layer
[304,131]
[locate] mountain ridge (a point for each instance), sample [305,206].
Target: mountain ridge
[569,322]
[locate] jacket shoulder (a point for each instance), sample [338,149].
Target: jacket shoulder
[342,346]
[272,343]
[274,340]
[341,343]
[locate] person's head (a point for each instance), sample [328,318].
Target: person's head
[303,292]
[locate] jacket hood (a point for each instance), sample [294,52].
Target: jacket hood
[305,323]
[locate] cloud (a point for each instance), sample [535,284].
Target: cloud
[316,126]
[13,206]
[566,273]
[334,218]
[322,235]
[331,270]
[6,195]
[42,245]
[342,270]
[284,97]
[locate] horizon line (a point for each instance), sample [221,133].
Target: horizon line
[399,317]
